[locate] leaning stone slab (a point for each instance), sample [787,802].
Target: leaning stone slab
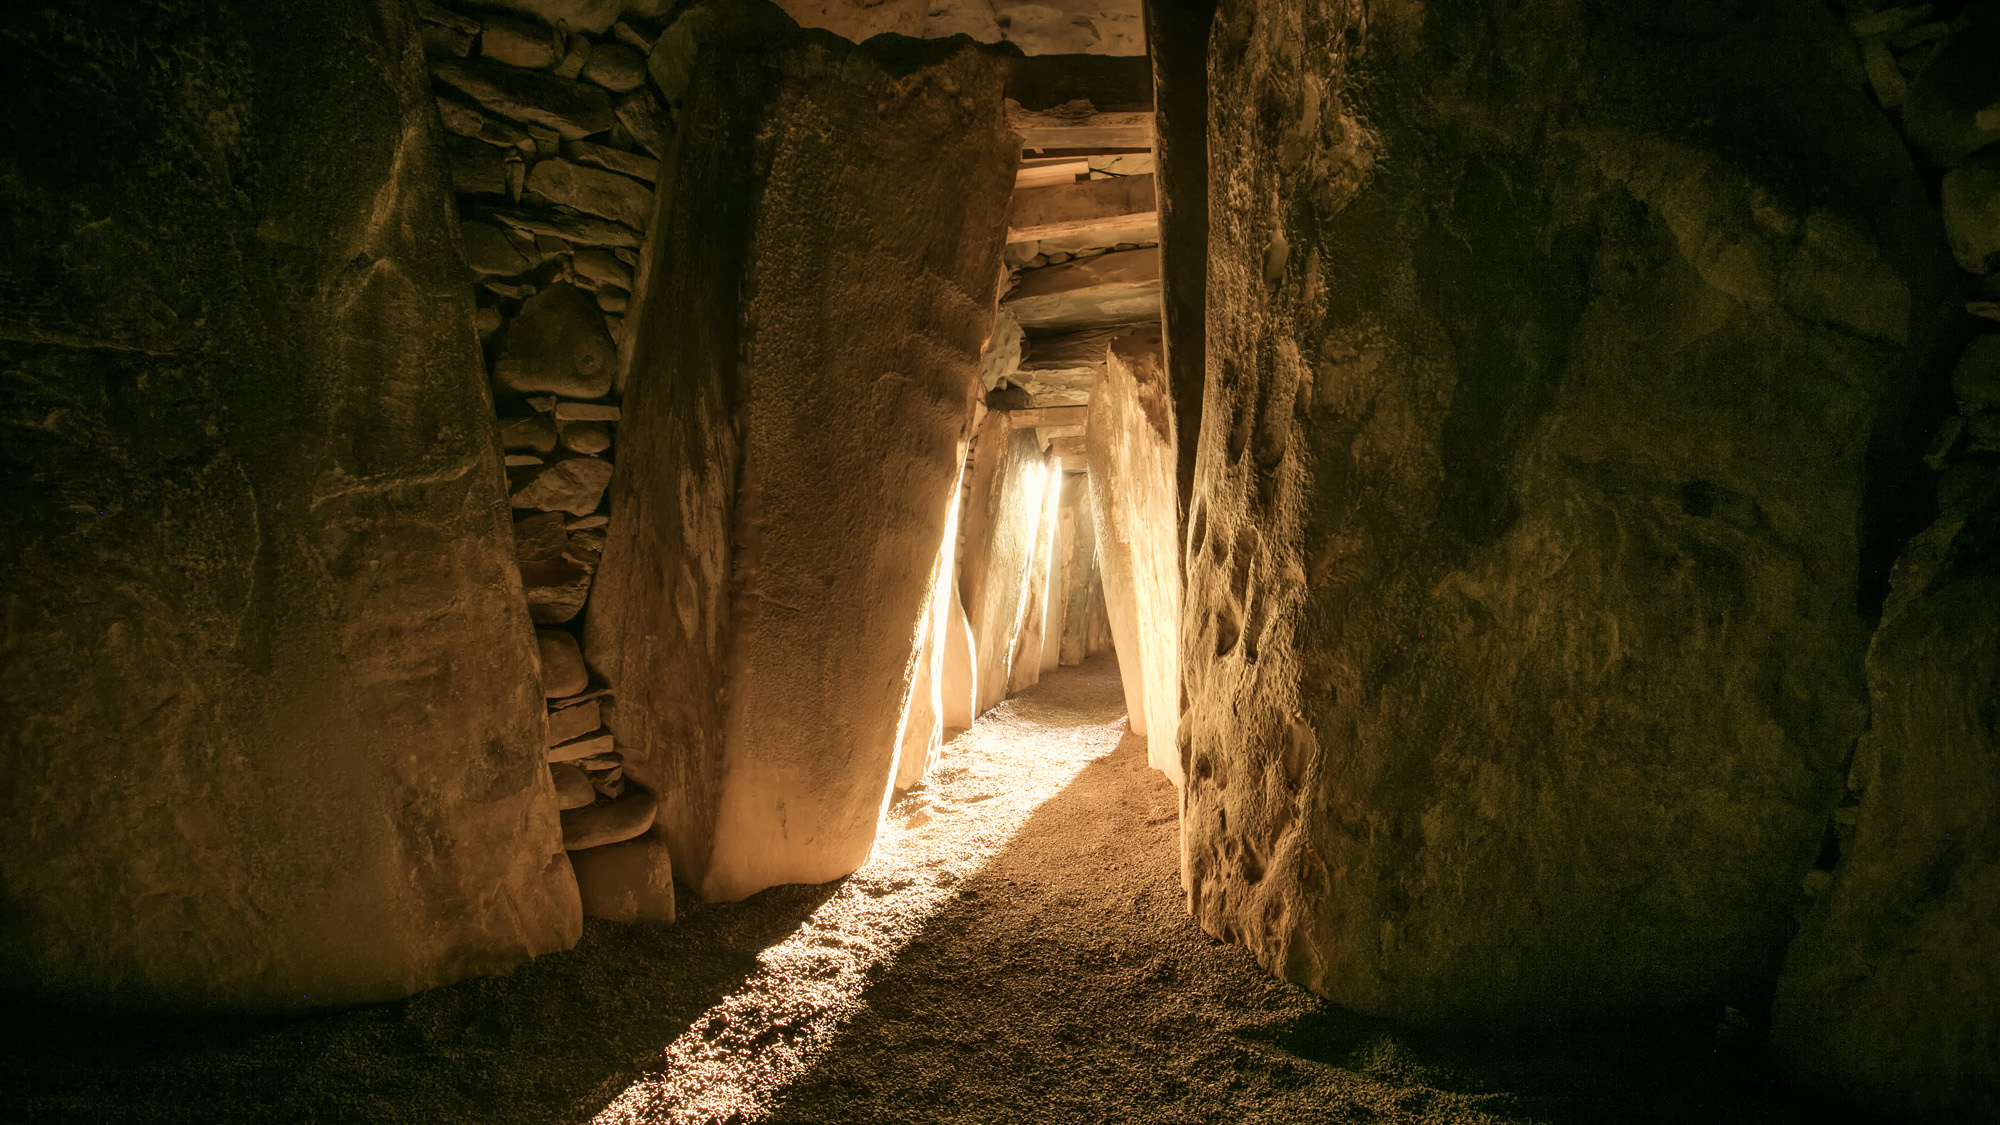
[571,109]
[609,822]
[557,344]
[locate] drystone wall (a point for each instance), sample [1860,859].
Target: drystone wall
[1887,999]
[785,474]
[1563,385]
[270,729]
[553,139]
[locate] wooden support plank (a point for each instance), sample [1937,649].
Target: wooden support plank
[1077,208]
[1033,416]
[1046,129]
[1043,173]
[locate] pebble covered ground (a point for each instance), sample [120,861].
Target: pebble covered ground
[1017,950]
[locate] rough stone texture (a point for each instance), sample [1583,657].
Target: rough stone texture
[519,42]
[1942,119]
[1132,452]
[269,733]
[609,822]
[957,687]
[1887,997]
[923,716]
[556,565]
[846,438]
[573,721]
[563,672]
[593,191]
[1025,669]
[558,345]
[571,484]
[573,789]
[1002,523]
[1062,551]
[1080,570]
[628,882]
[1037,27]
[1971,198]
[572,109]
[1555,386]
[1094,292]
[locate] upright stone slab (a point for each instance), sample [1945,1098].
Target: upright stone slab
[1025,671]
[1540,468]
[1002,525]
[1130,447]
[957,697]
[270,726]
[1060,558]
[1887,997]
[1080,571]
[858,208]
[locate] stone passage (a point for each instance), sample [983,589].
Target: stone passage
[553,138]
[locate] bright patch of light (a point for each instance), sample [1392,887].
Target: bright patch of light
[734,1062]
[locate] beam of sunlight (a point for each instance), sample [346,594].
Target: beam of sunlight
[734,1062]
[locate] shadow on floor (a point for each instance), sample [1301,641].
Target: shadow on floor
[549,1044]
[1067,983]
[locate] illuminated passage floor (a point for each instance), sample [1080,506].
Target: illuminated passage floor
[1017,950]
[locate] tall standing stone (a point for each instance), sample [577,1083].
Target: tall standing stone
[1547,442]
[1131,451]
[1887,998]
[857,207]
[272,728]
[1002,525]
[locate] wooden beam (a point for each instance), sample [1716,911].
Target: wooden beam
[1033,416]
[1077,208]
[1059,128]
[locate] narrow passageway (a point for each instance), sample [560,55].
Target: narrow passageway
[1017,949]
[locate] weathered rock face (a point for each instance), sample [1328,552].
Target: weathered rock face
[846,438]
[1025,668]
[1887,995]
[272,727]
[1132,451]
[1002,526]
[1522,642]
[1080,570]
[956,687]
[924,715]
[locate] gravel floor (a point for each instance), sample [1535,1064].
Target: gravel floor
[1016,951]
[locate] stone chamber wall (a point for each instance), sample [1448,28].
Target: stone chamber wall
[1590,597]
[553,138]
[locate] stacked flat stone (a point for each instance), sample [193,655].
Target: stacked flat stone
[554,138]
